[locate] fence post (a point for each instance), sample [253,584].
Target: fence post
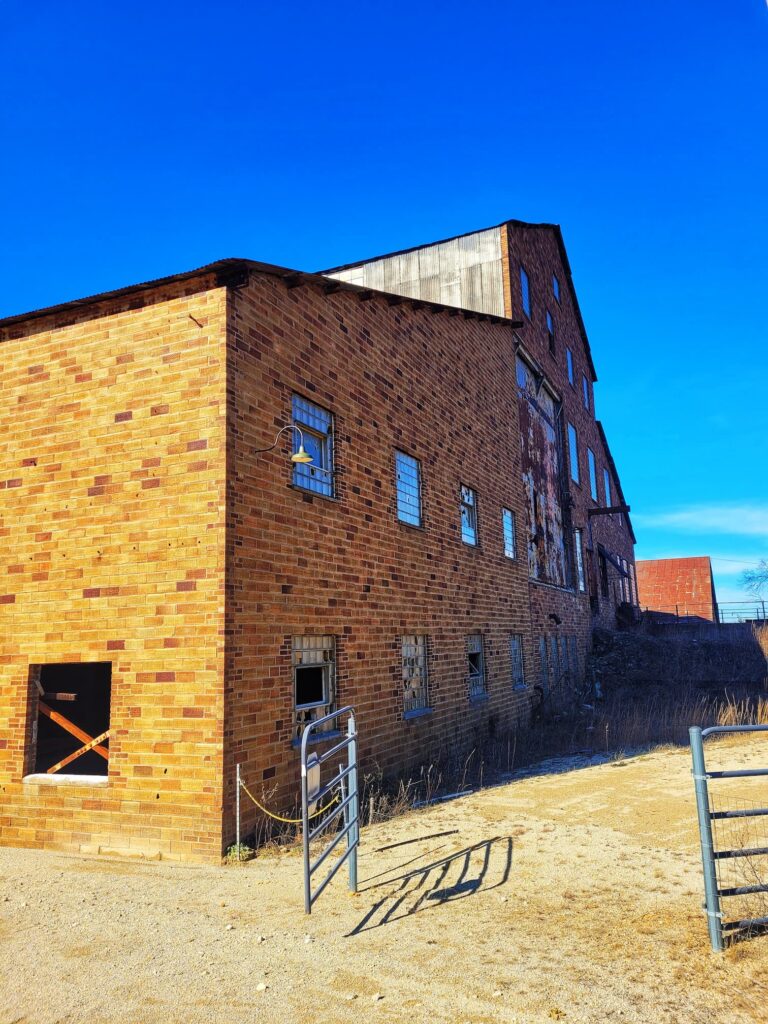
[353,836]
[237,810]
[305,825]
[712,897]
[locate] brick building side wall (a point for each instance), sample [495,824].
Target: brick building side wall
[440,388]
[536,248]
[112,440]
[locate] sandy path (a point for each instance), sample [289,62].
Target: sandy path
[573,897]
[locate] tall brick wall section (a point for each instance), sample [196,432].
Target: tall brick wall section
[440,388]
[112,449]
[536,248]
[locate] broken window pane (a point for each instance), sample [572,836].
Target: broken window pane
[475,666]
[468,515]
[577,547]
[313,678]
[414,655]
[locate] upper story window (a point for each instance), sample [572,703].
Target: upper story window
[592,474]
[468,515]
[569,361]
[408,477]
[573,453]
[556,287]
[508,524]
[316,425]
[525,292]
[517,664]
[550,333]
[607,483]
[414,655]
[578,540]
[476,666]
[585,391]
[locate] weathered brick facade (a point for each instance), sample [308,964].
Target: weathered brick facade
[143,530]
[112,448]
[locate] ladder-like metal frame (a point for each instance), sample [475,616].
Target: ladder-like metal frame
[709,855]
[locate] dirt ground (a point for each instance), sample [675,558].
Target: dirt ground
[572,897]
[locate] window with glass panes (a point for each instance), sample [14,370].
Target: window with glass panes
[607,484]
[592,474]
[508,525]
[578,549]
[525,292]
[468,515]
[408,476]
[573,452]
[569,363]
[414,656]
[313,678]
[585,391]
[316,426]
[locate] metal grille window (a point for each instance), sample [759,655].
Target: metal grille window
[475,666]
[573,452]
[316,425]
[408,478]
[508,523]
[585,391]
[569,361]
[415,696]
[313,678]
[525,292]
[516,661]
[592,474]
[579,552]
[468,515]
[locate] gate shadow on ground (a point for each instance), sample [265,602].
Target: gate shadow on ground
[478,868]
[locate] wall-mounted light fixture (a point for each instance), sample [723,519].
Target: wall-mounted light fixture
[300,456]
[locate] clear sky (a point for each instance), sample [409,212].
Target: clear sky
[142,139]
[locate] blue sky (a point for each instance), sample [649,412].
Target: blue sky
[140,140]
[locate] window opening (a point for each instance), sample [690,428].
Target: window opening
[70,730]
[550,333]
[569,361]
[607,483]
[556,287]
[475,666]
[543,663]
[316,425]
[313,678]
[468,515]
[508,523]
[585,391]
[573,452]
[592,474]
[408,476]
[414,655]
[525,292]
[603,566]
[516,660]
[577,546]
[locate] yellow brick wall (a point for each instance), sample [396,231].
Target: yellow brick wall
[112,476]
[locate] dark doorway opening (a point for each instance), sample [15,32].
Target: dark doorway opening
[73,707]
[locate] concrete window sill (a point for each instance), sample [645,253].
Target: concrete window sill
[65,780]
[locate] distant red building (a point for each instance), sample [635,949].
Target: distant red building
[678,586]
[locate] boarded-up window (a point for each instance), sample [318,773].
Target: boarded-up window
[70,730]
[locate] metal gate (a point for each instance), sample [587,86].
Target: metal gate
[711,857]
[341,793]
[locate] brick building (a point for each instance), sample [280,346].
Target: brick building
[678,586]
[176,600]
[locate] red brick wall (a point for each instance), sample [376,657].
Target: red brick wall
[442,389]
[537,249]
[681,586]
[112,440]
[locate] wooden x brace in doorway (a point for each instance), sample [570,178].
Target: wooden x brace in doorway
[90,742]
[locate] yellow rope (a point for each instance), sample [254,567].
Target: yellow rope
[288,821]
